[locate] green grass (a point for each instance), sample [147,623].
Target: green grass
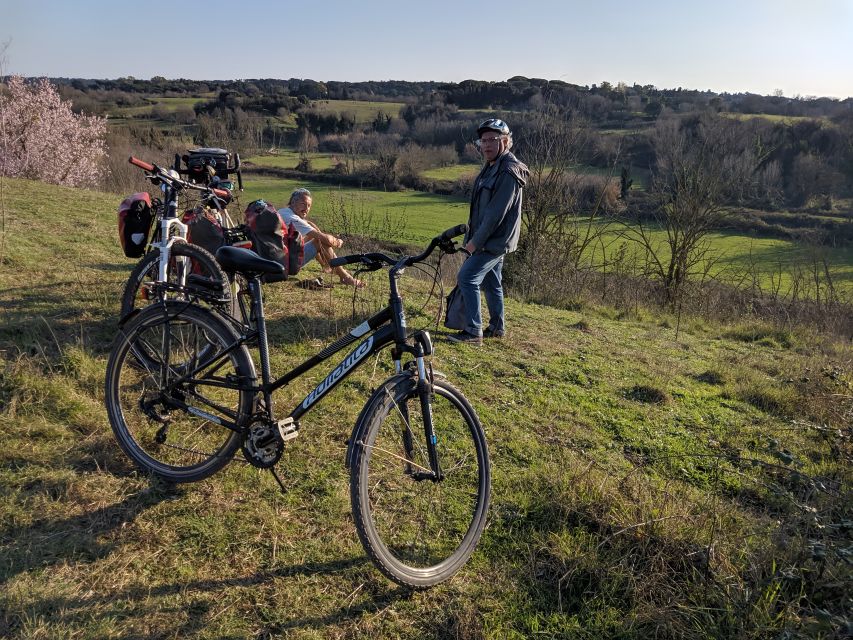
[364,111]
[453,172]
[777,263]
[643,485]
[769,117]
[286,159]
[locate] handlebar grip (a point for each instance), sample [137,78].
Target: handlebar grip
[342,260]
[458,230]
[141,164]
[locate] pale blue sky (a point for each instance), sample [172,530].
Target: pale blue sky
[803,47]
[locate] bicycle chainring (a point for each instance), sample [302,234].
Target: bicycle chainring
[263,446]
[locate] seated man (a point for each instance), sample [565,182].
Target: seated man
[317,244]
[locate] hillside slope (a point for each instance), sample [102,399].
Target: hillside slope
[645,481]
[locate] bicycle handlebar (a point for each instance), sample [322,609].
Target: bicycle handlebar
[458,230]
[160,174]
[375,260]
[141,164]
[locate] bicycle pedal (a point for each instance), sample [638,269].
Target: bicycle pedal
[287,429]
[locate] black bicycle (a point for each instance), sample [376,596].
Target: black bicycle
[418,460]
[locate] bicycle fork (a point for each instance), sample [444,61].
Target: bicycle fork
[425,395]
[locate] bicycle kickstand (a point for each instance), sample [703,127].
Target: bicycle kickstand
[278,479]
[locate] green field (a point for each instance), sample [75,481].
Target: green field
[646,482]
[286,159]
[769,117]
[776,263]
[456,171]
[453,172]
[364,111]
[170,104]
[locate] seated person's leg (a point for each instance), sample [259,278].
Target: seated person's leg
[323,254]
[309,252]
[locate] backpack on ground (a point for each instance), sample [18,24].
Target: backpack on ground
[134,224]
[272,240]
[454,316]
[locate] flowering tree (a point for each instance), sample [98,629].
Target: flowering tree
[41,138]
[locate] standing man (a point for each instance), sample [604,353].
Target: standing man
[317,244]
[494,226]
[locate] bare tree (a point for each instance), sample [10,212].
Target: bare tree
[352,145]
[306,144]
[700,164]
[559,233]
[386,152]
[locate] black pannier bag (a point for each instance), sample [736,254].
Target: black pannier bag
[198,161]
[134,224]
[272,240]
[204,228]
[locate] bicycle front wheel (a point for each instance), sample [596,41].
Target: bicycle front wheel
[176,393]
[418,530]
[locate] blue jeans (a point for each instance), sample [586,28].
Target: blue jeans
[309,252]
[482,271]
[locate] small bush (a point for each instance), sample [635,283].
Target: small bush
[765,335]
[711,376]
[647,394]
[769,397]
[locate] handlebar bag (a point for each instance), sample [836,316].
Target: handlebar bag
[272,240]
[134,224]
[197,161]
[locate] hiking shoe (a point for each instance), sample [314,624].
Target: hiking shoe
[465,337]
[491,333]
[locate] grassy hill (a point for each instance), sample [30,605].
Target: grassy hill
[646,482]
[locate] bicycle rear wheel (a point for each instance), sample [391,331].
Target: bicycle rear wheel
[188,265]
[171,409]
[420,531]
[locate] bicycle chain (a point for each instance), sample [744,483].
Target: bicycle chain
[198,453]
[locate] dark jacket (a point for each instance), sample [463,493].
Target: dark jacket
[495,219]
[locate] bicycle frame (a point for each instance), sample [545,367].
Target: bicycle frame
[382,329]
[167,239]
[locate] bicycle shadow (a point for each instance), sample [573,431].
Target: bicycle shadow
[55,316]
[46,543]
[177,597]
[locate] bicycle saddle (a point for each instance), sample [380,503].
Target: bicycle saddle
[247,262]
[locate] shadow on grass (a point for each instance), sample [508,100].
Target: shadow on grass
[197,603]
[46,543]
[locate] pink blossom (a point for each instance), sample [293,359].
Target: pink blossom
[42,139]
